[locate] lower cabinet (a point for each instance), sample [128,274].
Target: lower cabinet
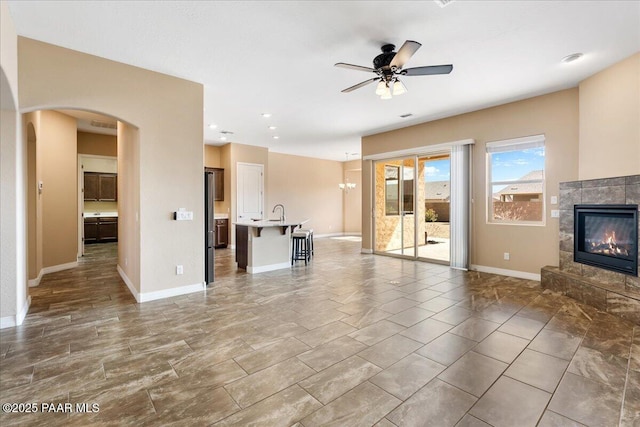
[222,233]
[100,230]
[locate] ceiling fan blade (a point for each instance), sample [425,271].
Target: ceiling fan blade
[359,85]
[355,67]
[405,53]
[427,71]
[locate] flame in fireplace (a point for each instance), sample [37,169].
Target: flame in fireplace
[609,246]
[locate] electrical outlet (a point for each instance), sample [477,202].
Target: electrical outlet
[179,269]
[507,256]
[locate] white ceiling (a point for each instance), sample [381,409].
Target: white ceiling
[278,57]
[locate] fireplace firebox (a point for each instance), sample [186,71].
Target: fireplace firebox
[606,236]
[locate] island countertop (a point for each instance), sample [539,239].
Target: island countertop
[271,223]
[264,245]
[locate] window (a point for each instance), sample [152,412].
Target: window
[392,190]
[515,181]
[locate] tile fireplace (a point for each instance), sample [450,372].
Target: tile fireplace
[598,245]
[606,236]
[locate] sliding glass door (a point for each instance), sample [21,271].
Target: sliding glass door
[395,207]
[412,207]
[434,224]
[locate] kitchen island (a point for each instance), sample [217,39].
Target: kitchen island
[264,245]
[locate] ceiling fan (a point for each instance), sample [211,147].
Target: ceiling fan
[388,66]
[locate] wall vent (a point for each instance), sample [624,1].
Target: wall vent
[404,116]
[443,3]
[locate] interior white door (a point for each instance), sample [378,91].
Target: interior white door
[250,190]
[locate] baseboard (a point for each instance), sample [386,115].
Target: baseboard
[156,295]
[12,321]
[7,322]
[270,267]
[366,251]
[59,267]
[35,282]
[128,282]
[172,292]
[52,269]
[504,272]
[25,309]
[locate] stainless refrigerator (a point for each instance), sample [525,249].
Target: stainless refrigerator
[209,226]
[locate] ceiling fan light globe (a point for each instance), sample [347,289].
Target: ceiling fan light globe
[386,94]
[380,89]
[399,88]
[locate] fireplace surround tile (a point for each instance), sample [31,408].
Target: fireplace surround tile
[608,291]
[603,195]
[604,182]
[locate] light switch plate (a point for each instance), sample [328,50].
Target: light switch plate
[555,213]
[183,216]
[554,200]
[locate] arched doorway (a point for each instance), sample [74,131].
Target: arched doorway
[55,140]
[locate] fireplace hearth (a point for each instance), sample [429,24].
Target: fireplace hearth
[606,236]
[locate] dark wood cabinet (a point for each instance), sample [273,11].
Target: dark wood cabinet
[100,187]
[90,230]
[222,233]
[218,183]
[108,229]
[100,230]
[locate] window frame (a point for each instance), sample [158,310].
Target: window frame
[510,145]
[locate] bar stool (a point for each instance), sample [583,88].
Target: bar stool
[310,231]
[300,249]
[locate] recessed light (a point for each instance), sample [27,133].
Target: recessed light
[272,128]
[266,115]
[212,126]
[223,138]
[572,57]
[276,137]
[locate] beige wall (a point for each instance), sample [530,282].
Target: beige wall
[352,200]
[308,188]
[610,121]
[212,156]
[129,203]
[554,115]
[53,213]
[97,144]
[166,110]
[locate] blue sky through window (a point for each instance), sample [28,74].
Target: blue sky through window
[513,165]
[437,170]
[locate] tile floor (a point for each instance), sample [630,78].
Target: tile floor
[349,340]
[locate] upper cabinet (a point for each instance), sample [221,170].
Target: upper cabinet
[218,182]
[102,187]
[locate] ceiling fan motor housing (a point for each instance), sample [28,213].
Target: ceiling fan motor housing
[385,58]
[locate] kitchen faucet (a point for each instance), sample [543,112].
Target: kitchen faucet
[281,213]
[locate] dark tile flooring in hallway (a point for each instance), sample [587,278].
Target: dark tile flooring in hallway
[349,340]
